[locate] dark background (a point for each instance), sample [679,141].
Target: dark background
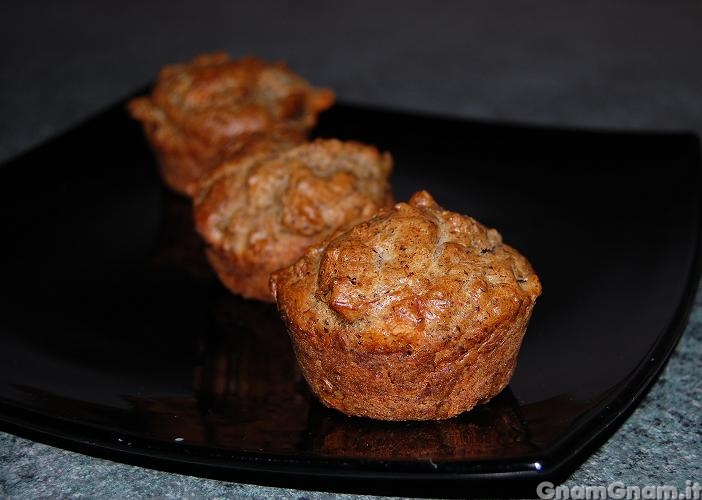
[594,64]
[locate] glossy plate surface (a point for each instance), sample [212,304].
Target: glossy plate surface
[117,340]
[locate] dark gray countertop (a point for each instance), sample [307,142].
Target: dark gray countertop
[621,65]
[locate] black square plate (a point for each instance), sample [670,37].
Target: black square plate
[117,339]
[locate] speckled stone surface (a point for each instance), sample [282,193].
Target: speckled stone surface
[630,65]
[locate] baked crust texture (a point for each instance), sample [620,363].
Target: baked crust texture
[198,107]
[415,314]
[260,211]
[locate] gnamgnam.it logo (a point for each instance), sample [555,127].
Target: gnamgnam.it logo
[619,491]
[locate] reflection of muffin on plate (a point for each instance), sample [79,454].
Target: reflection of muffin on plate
[196,108]
[477,435]
[259,212]
[416,314]
[247,382]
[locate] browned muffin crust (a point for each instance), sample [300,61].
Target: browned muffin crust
[259,212]
[415,314]
[196,108]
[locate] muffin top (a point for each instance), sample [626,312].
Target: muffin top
[410,279]
[214,97]
[267,208]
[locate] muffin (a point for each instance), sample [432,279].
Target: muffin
[415,314]
[198,107]
[259,212]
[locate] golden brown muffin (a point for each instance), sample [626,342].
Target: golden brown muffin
[416,314]
[259,212]
[198,107]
